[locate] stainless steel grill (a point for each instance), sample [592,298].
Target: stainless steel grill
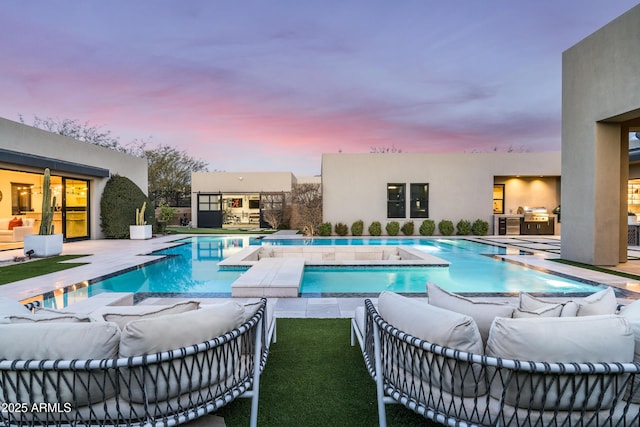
[536,215]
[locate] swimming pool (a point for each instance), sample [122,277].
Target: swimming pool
[191,270]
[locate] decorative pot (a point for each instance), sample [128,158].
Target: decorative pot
[43,245]
[140,232]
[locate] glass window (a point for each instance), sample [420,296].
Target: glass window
[208,202]
[419,201]
[498,199]
[396,201]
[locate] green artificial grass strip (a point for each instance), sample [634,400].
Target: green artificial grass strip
[314,377]
[29,269]
[599,269]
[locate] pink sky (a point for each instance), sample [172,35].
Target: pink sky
[271,85]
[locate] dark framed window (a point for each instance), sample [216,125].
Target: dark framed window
[419,203]
[208,202]
[396,201]
[498,198]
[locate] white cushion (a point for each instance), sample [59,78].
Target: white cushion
[173,331]
[483,312]
[4,223]
[56,340]
[551,311]
[560,339]
[123,314]
[10,307]
[532,304]
[437,326]
[603,302]
[46,317]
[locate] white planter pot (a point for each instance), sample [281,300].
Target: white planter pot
[43,246]
[140,232]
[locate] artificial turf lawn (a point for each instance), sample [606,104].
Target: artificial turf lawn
[313,377]
[26,270]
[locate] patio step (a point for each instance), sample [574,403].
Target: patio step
[270,277]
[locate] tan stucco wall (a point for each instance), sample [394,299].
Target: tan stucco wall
[241,182]
[600,94]
[17,137]
[354,186]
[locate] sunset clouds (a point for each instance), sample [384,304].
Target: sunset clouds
[271,85]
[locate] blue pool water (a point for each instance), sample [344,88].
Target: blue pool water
[191,269]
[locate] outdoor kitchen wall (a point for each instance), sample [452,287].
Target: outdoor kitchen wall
[530,192]
[354,186]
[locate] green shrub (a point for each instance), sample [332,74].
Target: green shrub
[480,227]
[427,227]
[357,228]
[392,228]
[118,204]
[407,228]
[445,227]
[341,229]
[464,227]
[325,229]
[375,229]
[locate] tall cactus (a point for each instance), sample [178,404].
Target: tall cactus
[140,214]
[48,204]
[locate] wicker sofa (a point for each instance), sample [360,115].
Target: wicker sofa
[533,371]
[130,366]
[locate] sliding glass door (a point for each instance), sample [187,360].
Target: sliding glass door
[75,208]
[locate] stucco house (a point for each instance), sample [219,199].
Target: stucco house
[79,172]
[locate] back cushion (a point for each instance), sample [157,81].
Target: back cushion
[532,304]
[603,302]
[483,312]
[121,315]
[169,379]
[9,307]
[437,326]
[559,339]
[55,340]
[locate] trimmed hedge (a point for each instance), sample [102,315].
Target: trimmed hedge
[392,228]
[427,227]
[445,227]
[357,228]
[464,227]
[120,199]
[480,227]
[341,229]
[324,229]
[375,229]
[407,228]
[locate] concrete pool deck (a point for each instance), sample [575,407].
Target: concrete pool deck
[109,256]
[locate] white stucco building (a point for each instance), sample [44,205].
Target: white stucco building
[79,172]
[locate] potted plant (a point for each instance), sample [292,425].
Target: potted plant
[141,230]
[46,243]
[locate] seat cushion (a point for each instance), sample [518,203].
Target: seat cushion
[593,339]
[483,312]
[438,326]
[631,313]
[58,340]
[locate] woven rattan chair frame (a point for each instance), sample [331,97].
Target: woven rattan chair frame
[457,388]
[162,389]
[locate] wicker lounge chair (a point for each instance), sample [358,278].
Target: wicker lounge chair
[162,389]
[460,388]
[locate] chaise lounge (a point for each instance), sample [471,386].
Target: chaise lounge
[130,366]
[534,369]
